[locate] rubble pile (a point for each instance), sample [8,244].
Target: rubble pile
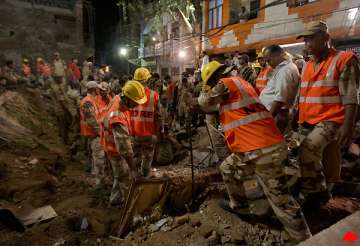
[36,172]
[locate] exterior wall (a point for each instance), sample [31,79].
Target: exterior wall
[33,30]
[280,25]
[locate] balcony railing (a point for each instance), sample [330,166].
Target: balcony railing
[64,4]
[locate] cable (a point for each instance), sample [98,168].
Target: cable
[276,23]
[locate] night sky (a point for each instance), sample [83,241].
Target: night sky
[106,20]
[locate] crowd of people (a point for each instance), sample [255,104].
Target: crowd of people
[249,109]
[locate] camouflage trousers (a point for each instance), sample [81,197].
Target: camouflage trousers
[97,160]
[120,179]
[319,157]
[257,178]
[220,147]
[143,156]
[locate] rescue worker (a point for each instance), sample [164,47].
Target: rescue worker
[144,124]
[73,105]
[58,94]
[116,140]
[104,98]
[327,106]
[263,77]
[279,94]
[185,88]
[25,68]
[9,74]
[90,128]
[258,150]
[245,71]
[43,73]
[59,67]
[171,99]
[257,68]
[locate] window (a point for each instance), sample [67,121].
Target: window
[295,3]
[215,13]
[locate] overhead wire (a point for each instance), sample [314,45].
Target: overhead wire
[188,36]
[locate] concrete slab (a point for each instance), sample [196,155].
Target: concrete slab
[345,232]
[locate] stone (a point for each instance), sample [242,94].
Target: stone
[225,239]
[195,222]
[182,219]
[206,230]
[213,240]
[34,161]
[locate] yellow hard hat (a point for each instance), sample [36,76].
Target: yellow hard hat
[209,69]
[142,74]
[256,65]
[39,59]
[135,91]
[260,55]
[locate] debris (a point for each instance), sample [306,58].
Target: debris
[213,240]
[34,161]
[182,219]
[10,220]
[143,194]
[39,215]
[59,242]
[84,224]
[195,222]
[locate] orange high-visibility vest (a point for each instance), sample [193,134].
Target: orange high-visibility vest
[44,69]
[26,70]
[116,114]
[86,130]
[246,122]
[142,117]
[102,105]
[319,91]
[262,79]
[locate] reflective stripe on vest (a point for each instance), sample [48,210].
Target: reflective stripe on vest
[322,100]
[329,82]
[151,105]
[246,120]
[86,130]
[246,123]
[240,104]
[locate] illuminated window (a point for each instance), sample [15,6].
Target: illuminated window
[215,13]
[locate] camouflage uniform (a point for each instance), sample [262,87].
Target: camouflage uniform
[184,91]
[144,149]
[319,153]
[73,104]
[58,93]
[220,147]
[250,175]
[97,153]
[119,164]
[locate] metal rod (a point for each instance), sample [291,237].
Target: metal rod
[188,123]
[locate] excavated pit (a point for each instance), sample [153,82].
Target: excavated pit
[36,170]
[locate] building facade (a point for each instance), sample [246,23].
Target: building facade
[38,28]
[170,43]
[228,29]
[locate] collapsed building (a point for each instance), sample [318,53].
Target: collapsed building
[173,208]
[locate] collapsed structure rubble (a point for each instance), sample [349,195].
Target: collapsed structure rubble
[36,170]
